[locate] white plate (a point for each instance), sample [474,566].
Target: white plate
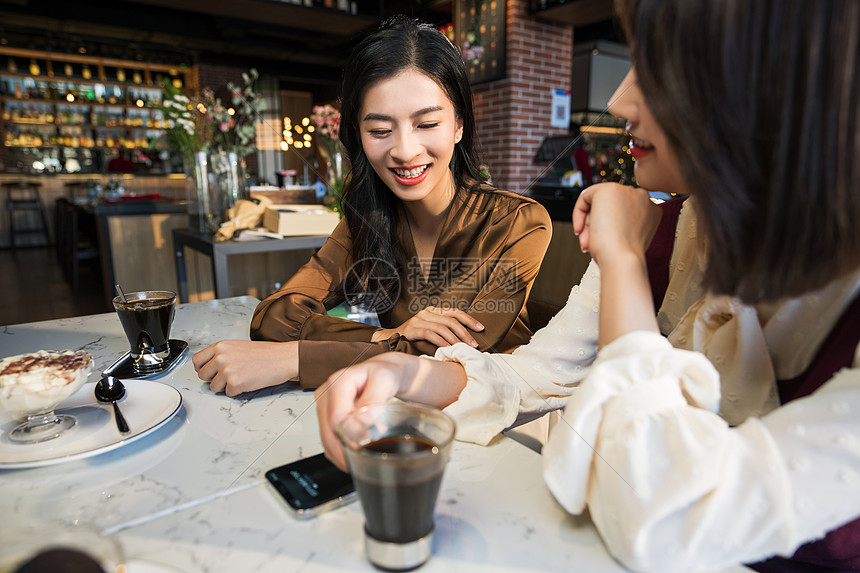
[147,405]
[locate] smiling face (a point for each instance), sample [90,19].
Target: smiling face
[657,167]
[408,133]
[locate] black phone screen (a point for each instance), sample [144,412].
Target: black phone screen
[310,483]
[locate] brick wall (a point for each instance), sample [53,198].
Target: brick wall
[513,114]
[216,76]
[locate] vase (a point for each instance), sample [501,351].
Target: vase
[335,174]
[214,182]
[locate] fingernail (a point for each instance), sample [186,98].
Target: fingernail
[473,344]
[479,326]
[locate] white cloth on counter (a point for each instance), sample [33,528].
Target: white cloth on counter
[670,485]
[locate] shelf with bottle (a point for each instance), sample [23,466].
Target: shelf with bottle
[77,136]
[35,92]
[72,113]
[88,116]
[146,74]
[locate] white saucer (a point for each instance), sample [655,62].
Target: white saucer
[147,405]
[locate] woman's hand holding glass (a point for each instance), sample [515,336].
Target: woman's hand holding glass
[237,366]
[389,375]
[438,326]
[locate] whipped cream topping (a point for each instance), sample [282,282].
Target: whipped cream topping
[38,371]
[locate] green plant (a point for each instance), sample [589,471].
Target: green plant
[203,123]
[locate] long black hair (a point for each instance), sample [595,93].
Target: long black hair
[761,101]
[369,207]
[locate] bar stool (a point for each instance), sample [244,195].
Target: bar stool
[77,191]
[24,196]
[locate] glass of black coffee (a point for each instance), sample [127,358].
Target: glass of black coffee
[146,317]
[397,454]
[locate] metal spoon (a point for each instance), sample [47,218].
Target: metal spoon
[121,294]
[110,389]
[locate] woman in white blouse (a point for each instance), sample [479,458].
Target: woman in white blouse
[692,433]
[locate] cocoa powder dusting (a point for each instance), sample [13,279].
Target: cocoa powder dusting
[67,362]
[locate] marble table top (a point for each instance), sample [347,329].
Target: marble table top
[191,496]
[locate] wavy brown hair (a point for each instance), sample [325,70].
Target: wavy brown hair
[370,208]
[760,98]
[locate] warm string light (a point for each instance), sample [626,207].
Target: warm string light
[304,129]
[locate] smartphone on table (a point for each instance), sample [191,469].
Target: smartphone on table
[311,486]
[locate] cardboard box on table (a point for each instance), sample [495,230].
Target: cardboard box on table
[294,220]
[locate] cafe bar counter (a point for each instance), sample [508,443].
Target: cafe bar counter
[190,496]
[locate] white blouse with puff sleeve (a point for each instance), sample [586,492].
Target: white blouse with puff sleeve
[669,483]
[535,378]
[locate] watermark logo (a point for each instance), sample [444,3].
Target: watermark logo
[482,306]
[379,291]
[450,283]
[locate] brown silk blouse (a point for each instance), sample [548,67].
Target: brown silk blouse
[487,257]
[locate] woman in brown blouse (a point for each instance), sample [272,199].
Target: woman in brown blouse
[441,257]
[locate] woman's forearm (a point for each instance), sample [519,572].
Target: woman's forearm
[435,383]
[625,297]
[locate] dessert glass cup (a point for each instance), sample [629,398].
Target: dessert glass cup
[41,423]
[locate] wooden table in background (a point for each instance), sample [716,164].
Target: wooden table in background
[219,253]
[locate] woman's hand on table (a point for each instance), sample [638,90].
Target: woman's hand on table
[237,366]
[438,326]
[378,379]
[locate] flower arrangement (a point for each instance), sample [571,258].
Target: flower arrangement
[213,140]
[472,50]
[183,127]
[203,123]
[326,119]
